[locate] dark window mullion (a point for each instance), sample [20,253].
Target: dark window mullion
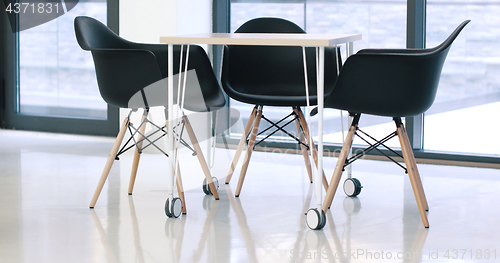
[415,38]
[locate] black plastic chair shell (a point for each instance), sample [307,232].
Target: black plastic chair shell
[123,67]
[274,76]
[390,82]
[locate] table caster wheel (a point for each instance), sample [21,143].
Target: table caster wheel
[174,209]
[352,187]
[206,187]
[314,219]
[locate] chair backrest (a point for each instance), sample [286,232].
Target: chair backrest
[445,45]
[391,82]
[91,34]
[273,71]
[269,25]
[118,79]
[124,68]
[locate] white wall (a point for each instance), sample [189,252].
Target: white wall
[194,16]
[146,20]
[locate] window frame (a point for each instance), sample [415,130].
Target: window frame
[14,119]
[415,38]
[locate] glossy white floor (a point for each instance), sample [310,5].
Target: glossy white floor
[46,183]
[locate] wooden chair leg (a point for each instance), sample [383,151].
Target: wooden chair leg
[241,145]
[137,154]
[417,175]
[109,162]
[339,167]
[310,143]
[248,154]
[412,171]
[303,149]
[180,189]
[201,158]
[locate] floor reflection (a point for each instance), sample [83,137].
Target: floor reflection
[225,233]
[174,233]
[47,182]
[136,231]
[214,244]
[329,245]
[108,243]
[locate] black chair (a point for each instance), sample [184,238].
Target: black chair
[392,83]
[133,75]
[274,76]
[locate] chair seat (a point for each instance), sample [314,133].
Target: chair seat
[156,94]
[274,100]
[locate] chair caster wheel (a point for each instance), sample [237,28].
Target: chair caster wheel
[174,209]
[315,220]
[206,186]
[352,187]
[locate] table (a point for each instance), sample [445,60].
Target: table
[320,41]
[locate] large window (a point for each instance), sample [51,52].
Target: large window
[57,77]
[463,118]
[382,24]
[50,83]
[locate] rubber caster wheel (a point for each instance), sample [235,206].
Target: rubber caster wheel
[352,187]
[206,186]
[174,209]
[314,219]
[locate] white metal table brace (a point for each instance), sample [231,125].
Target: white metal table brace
[315,217]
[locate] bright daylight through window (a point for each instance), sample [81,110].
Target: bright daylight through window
[463,118]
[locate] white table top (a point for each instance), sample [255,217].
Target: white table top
[311,40]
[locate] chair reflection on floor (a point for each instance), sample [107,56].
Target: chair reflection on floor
[208,232]
[135,227]
[225,221]
[318,245]
[235,204]
[211,241]
[114,253]
[214,210]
